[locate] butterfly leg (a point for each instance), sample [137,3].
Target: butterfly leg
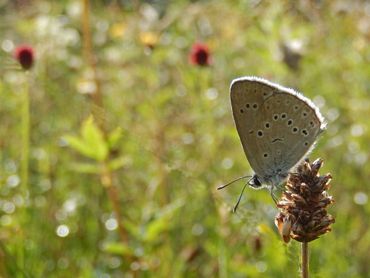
[272,194]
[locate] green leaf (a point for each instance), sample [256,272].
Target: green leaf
[94,138]
[162,222]
[155,228]
[132,228]
[78,145]
[91,143]
[87,168]
[117,248]
[114,137]
[119,162]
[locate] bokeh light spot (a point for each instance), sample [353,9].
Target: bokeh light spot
[111,224]
[62,230]
[360,198]
[227,163]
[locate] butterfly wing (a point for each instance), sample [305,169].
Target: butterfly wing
[276,125]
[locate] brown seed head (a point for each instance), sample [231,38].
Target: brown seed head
[303,215]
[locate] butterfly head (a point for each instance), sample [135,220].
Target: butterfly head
[255,182]
[258,182]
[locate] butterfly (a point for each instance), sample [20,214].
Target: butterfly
[277,127]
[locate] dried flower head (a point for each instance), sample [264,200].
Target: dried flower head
[200,55]
[25,56]
[303,214]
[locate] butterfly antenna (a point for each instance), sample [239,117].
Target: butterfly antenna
[273,195]
[240,198]
[225,185]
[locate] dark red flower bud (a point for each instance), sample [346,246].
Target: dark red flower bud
[200,55]
[25,56]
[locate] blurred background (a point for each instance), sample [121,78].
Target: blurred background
[113,142]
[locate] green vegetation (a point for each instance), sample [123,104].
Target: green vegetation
[129,137]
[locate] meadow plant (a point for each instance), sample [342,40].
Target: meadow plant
[303,215]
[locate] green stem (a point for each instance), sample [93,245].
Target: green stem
[98,112]
[107,182]
[304,259]
[25,124]
[222,259]
[25,137]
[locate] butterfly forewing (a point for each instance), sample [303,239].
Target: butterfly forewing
[276,125]
[246,100]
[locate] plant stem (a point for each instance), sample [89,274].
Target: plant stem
[304,259]
[106,180]
[98,111]
[25,137]
[25,146]
[91,61]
